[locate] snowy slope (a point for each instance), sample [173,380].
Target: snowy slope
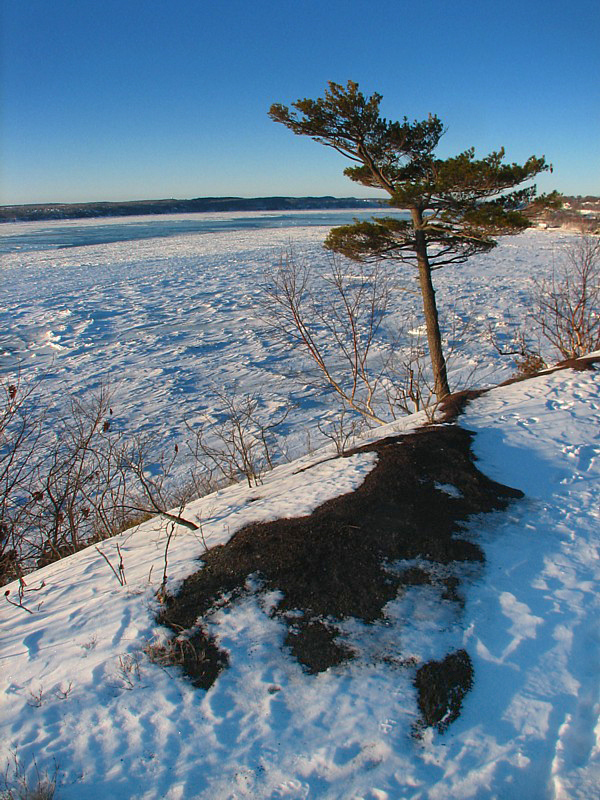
[76,687]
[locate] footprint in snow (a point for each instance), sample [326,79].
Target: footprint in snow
[32,643]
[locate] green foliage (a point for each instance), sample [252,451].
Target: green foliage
[364,241]
[457,205]
[460,203]
[350,122]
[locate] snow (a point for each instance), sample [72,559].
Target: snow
[128,728]
[543,436]
[77,689]
[166,321]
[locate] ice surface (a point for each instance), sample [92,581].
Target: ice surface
[164,321]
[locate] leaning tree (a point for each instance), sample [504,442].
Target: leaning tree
[457,205]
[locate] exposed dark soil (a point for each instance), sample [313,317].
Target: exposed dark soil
[441,687]
[313,643]
[335,563]
[454,404]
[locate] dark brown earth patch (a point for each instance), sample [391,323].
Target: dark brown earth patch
[314,645]
[441,687]
[454,404]
[203,660]
[336,562]
[579,364]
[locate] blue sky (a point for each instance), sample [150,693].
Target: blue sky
[133,99]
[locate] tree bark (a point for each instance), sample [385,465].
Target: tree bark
[434,338]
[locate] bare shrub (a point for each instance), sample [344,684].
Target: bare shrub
[77,490]
[343,431]
[119,570]
[527,357]
[61,484]
[337,320]
[21,783]
[335,324]
[20,432]
[407,382]
[567,305]
[72,478]
[128,671]
[242,443]
[65,480]
[152,488]
[64,690]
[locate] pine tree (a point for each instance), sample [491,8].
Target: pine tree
[457,205]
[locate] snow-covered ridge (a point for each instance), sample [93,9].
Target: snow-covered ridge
[76,686]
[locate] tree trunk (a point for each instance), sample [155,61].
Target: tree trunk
[434,339]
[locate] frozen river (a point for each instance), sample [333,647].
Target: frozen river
[27,236]
[166,310]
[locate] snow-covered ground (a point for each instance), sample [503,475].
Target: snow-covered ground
[78,690]
[166,320]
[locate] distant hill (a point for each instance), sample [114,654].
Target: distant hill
[44,211]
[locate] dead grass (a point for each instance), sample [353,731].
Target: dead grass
[20,783]
[585,364]
[197,655]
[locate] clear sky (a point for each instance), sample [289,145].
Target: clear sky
[141,99]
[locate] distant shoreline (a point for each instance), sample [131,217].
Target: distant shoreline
[50,211]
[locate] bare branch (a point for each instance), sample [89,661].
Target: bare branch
[568,303]
[347,315]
